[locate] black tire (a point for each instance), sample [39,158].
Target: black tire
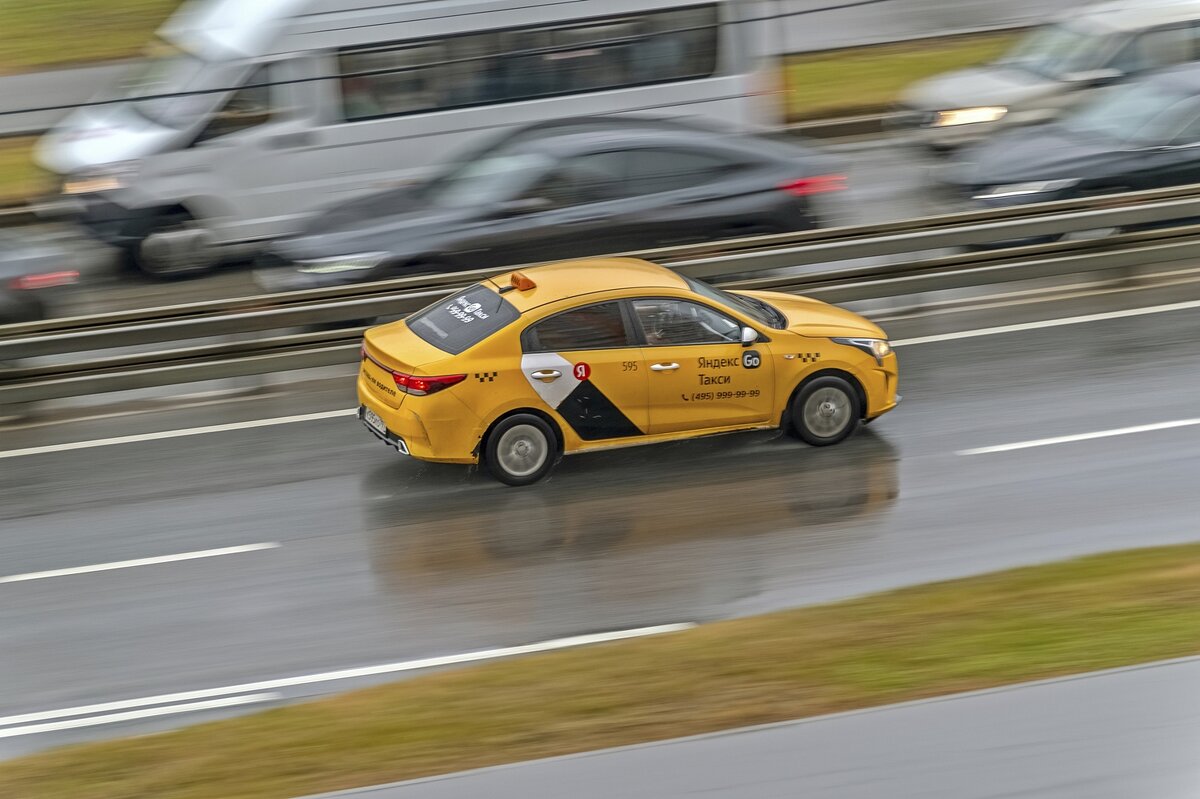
[825,410]
[141,254]
[520,450]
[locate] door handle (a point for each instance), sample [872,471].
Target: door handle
[547,374]
[664,367]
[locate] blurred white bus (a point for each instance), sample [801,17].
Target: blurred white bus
[247,116]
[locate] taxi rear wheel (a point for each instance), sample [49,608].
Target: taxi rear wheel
[520,450]
[825,411]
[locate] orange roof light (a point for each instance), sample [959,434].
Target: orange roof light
[522,282]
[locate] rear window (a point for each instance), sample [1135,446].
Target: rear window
[462,321]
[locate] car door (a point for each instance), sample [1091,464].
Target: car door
[690,196]
[700,374]
[585,366]
[1176,161]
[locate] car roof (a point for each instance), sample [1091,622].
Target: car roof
[574,134]
[561,281]
[1133,15]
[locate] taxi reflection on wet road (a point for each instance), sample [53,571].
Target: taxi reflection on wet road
[615,541]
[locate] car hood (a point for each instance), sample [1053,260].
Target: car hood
[95,138]
[817,319]
[388,222]
[979,86]
[1044,152]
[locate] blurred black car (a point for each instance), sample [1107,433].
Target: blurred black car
[577,187]
[32,277]
[1141,135]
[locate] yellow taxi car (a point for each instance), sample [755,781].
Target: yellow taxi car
[520,369]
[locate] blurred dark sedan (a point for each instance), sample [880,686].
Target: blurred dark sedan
[32,277]
[578,187]
[1143,135]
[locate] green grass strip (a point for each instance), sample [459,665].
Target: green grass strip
[40,34]
[20,179]
[867,80]
[1031,623]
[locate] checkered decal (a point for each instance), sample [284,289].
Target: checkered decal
[808,357]
[486,377]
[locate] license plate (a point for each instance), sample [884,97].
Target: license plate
[375,421]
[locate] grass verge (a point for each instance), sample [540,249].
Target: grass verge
[19,178]
[867,80]
[1038,622]
[49,33]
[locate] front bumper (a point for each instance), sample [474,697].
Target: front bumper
[109,221]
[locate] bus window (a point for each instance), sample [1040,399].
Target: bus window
[525,63]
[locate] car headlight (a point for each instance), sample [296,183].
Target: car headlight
[1025,189]
[358,262]
[109,177]
[969,116]
[876,347]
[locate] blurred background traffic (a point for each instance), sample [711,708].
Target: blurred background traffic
[263,152]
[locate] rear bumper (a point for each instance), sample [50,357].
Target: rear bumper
[437,428]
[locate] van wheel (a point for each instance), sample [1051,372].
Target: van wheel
[825,411]
[175,247]
[520,450]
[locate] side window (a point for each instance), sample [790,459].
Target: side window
[592,328]
[653,171]
[1189,133]
[525,63]
[1158,47]
[672,322]
[378,83]
[247,108]
[583,179]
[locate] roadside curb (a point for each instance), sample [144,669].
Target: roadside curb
[366,791]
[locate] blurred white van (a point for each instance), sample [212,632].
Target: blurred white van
[247,116]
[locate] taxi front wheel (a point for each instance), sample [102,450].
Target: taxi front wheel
[825,411]
[520,450]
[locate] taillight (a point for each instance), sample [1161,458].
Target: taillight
[43,281]
[818,184]
[420,386]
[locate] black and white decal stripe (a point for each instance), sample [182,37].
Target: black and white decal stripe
[581,403]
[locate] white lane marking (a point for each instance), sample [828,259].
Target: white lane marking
[309,417]
[117,718]
[129,564]
[346,674]
[1070,320]
[194,431]
[1047,442]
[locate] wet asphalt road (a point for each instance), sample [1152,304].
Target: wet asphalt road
[384,559]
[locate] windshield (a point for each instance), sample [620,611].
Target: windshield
[754,308]
[1053,51]
[1144,114]
[168,70]
[487,180]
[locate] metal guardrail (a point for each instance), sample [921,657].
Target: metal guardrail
[737,264]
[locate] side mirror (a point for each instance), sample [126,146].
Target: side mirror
[1095,77]
[749,336]
[524,205]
